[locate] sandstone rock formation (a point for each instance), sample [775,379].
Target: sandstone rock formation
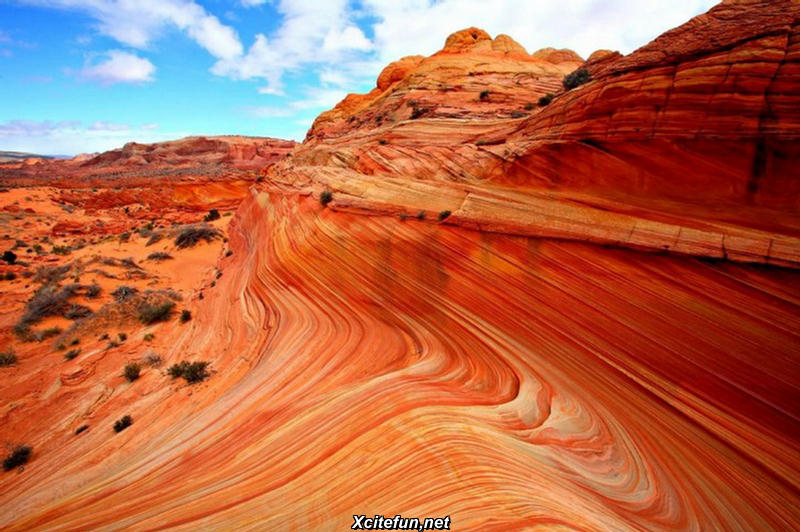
[366,359]
[688,145]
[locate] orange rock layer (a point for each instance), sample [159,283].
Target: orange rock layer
[369,365]
[688,145]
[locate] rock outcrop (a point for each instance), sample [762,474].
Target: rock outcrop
[688,145]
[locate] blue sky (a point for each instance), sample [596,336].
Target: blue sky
[89,75]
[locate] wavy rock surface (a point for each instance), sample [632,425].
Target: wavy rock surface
[365,364]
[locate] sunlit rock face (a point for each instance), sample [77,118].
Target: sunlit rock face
[501,367]
[687,145]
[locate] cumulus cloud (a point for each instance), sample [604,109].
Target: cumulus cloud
[136,23]
[71,136]
[117,66]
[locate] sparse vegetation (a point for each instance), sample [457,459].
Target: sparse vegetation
[131,371]
[417,112]
[382,142]
[444,215]
[72,353]
[186,315]
[122,336]
[420,215]
[18,456]
[484,95]
[9,256]
[122,293]
[576,78]
[189,236]
[152,313]
[154,238]
[76,312]
[8,358]
[123,423]
[191,372]
[149,337]
[212,215]
[62,250]
[159,256]
[124,237]
[93,290]
[545,100]
[325,197]
[10,276]
[152,359]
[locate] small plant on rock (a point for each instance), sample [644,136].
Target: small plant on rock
[131,371]
[123,423]
[19,456]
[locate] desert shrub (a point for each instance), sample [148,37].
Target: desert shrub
[152,313]
[212,215]
[191,235]
[93,290]
[420,215]
[191,372]
[18,456]
[152,359]
[186,315]
[131,371]
[123,293]
[545,100]
[484,95]
[159,256]
[80,429]
[72,353]
[124,237]
[9,256]
[61,346]
[155,237]
[325,197]
[76,312]
[443,215]
[123,423]
[122,336]
[229,253]
[8,358]
[51,274]
[149,337]
[417,112]
[576,78]
[62,250]
[10,276]
[75,341]
[382,142]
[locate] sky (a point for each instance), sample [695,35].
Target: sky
[90,75]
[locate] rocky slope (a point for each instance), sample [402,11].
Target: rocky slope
[365,359]
[687,145]
[192,158]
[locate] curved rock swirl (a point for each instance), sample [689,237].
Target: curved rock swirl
[369,365]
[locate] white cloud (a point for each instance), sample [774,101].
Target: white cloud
[136,23]
[311,33]
[421,26]
[119,67]
[72,137]
[252,3]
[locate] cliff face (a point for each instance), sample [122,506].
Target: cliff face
[688,144]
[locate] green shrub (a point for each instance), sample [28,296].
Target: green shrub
[123,423]
[420,215]
[149,337]
[443,215]
[152,313]
[192,372]
[484,95]
[576,78]
[122,293]
[69,355]
[325,197]
[545,100]
[212,215]
[186,315]
[9,256]
[19,456]
[131,371]
[10,276]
